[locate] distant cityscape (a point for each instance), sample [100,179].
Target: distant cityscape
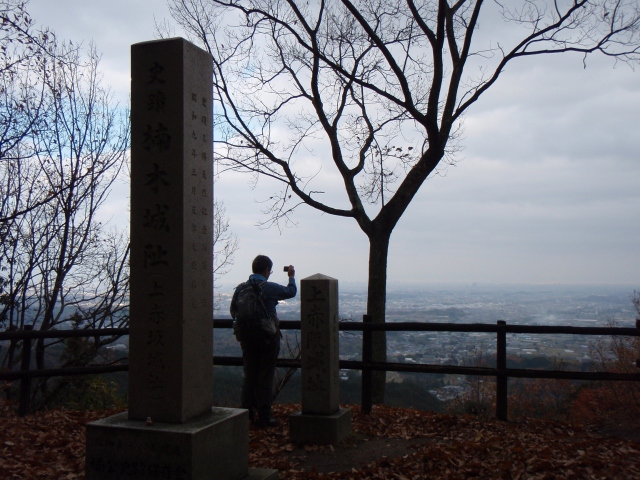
[517,305]
[523,305]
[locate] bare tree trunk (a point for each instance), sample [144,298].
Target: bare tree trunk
[376,304]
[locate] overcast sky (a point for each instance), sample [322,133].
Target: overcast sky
[546,190]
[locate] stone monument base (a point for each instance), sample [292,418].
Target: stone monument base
[320,429]
[262,474]
[212,446]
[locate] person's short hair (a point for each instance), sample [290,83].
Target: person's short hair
[261,263]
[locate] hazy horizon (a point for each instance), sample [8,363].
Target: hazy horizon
[394,286]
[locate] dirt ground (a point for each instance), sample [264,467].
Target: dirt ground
[357,451]
[408,444]
[390,443]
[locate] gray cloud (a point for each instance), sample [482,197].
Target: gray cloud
[545,190]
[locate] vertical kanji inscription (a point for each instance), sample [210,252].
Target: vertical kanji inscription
[319,315]
[171,242]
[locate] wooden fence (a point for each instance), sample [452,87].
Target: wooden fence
[367,365]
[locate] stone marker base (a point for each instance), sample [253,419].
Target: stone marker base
[262,474]
[320,429]
[212,446]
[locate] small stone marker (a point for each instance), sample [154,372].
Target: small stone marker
[320,369]
[171,430]
[321,421]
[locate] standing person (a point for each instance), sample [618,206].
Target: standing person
[259,352]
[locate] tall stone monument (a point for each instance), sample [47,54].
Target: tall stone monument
[321,420]
[171,430]
[171,339]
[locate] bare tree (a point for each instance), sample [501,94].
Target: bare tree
[64,268]
[83,269]
[23,50]
[371,92]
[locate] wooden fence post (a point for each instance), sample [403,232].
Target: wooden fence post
[25,382]
[367,355]
[501,378]
[638,326]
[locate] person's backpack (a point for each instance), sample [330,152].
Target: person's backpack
[251,318]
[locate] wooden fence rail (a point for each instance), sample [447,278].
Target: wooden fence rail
[367,365]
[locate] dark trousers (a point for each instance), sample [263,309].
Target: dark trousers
[259,370]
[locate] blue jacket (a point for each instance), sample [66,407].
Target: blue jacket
[274,291]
